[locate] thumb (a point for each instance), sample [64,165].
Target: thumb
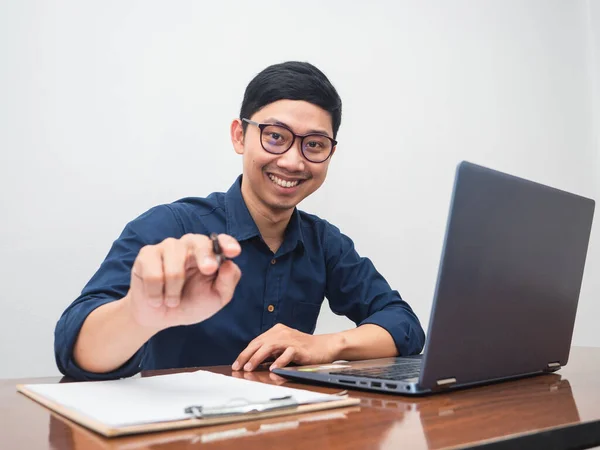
[227,279]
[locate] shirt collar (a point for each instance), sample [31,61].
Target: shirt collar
[293,239]
[241,225]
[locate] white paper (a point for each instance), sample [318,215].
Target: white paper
[162,398]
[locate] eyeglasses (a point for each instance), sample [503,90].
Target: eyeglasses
[278,139]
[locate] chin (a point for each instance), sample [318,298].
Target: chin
[282,203]
[281,206]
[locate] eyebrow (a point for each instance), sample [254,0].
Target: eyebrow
[274,121]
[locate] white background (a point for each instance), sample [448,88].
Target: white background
[108,108]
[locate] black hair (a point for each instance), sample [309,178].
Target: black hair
[292,80]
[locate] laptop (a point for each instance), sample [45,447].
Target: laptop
[506,296]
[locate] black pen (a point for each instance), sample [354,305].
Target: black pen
[218,251]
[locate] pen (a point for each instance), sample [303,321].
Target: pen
[218,251]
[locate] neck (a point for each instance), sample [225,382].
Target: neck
[271,223]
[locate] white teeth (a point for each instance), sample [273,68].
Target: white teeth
[283,183]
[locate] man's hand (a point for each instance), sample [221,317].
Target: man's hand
[287,345]
[179,282]
[176,282]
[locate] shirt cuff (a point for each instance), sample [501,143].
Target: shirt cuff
[407,334]
[65,335]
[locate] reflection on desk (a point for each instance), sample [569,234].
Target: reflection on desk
[560,410]
[64,434]
[546,401]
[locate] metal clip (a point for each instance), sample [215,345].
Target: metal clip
[241,406]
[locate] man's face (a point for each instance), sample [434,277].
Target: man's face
[281,181]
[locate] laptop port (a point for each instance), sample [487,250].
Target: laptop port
[347,381]
[375,384]
[391,385]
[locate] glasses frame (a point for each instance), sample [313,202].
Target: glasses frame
[262,126]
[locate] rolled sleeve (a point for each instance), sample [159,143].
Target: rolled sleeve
[111,283]
[409,339]
[66,333]
[358,291]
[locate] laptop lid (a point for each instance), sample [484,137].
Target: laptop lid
[509,279]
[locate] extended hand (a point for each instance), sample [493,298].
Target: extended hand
[287,345]
[179,281]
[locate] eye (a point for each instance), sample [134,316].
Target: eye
[276,136]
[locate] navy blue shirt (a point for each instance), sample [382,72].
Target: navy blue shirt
[314,261]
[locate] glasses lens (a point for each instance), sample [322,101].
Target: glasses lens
[276,139]
[316,148]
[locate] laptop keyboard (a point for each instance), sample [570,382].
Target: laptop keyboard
[400,371]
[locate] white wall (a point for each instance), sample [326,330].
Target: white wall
[589,309]
[109,108]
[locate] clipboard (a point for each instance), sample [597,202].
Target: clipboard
[66,433]
[236,409]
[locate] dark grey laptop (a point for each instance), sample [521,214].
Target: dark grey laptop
[506,295]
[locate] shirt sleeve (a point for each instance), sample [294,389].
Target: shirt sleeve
[110,283]
[358,291]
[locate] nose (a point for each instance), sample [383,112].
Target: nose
[292,160]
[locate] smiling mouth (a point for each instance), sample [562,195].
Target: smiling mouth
[284,183]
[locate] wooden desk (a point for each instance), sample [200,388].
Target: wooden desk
[560,410]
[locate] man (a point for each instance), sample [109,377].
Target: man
[161,299]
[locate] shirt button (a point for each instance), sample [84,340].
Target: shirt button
[273,261]
[270,308]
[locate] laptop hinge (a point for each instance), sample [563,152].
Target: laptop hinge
[553,366]
[446,381]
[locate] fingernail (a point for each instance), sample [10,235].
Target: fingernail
[207,260]
[273,366]
[248,366]
[235,366]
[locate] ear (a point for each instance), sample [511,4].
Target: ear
[237,136]
[333,151]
